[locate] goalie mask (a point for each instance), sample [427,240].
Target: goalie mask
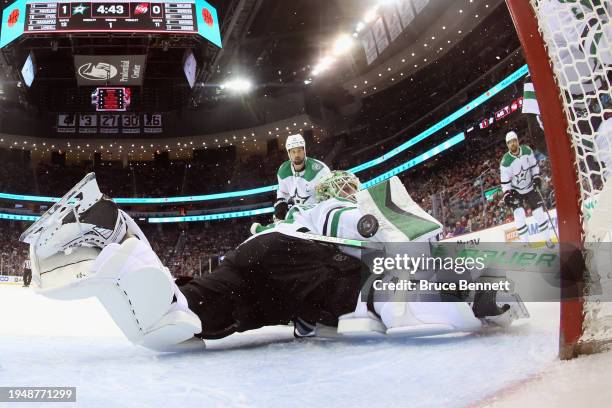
[84,217]
[338,184]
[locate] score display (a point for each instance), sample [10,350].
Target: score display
[115,16]
[111,99]
[175,16]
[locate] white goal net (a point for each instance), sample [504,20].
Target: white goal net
[577,35]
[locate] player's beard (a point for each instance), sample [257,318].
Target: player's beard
[299,163]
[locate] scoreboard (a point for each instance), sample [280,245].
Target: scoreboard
[115,16]
[30,17]
[111,99]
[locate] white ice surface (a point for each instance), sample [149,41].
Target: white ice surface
[46,342]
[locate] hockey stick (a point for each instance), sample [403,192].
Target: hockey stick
[547,214]
[355,243]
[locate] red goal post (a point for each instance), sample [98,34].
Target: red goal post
[568,86]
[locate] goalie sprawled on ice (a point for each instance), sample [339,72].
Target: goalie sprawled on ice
[304,269]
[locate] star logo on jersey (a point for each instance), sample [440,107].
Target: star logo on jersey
[522,176]
[80,9]
[298,199]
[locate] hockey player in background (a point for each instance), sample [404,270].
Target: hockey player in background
[521,182]
[297,177]
[27,273]
[85,246]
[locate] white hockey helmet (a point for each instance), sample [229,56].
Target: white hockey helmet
[294,141]
[511,135]
[338,184]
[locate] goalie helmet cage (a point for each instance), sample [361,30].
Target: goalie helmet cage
[564,44]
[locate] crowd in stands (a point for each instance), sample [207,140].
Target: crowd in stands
[450,187]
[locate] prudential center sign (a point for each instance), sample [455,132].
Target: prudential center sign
[99,70]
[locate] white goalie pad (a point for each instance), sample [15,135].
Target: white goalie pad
[141,297]
[132,285]
[82,217]
[400,218]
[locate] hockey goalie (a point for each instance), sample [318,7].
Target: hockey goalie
[302,269]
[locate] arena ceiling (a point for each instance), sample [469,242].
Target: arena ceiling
[274,43]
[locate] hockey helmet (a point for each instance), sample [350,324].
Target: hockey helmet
[511,136]
[294,141]
[338,184]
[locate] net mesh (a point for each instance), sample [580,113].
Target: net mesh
[578,38]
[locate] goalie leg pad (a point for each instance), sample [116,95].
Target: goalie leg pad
[361,323]
[415,319]
[139,294]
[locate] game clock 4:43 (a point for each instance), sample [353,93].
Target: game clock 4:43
[112,10]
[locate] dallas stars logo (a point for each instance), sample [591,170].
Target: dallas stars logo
[299,199]
[522,176]
[80,9]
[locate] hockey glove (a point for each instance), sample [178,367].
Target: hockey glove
[510,198]
[280,209]
[537,182]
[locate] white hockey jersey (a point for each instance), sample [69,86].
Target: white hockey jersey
[517,172]
[333,218]
[300,186]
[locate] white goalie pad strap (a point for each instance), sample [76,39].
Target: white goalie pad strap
[133,229]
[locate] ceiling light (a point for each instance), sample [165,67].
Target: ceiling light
[342,45]
[238,85]
[370,15]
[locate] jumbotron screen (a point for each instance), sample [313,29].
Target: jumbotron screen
[178,16]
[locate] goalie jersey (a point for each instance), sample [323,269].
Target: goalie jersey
[334,218]
[400,218]
[517,172]
[300,186]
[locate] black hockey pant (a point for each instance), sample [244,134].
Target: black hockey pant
[273,279]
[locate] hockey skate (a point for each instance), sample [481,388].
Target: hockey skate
[498,308]
[361,323]
[82,217]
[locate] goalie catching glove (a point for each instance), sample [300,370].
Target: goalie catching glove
[84,246]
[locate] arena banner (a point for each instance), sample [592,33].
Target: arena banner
[380,34]
[393,21]
[369,46]
[94,70]
[502,233]
[10,280]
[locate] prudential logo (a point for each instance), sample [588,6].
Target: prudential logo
[100,71]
